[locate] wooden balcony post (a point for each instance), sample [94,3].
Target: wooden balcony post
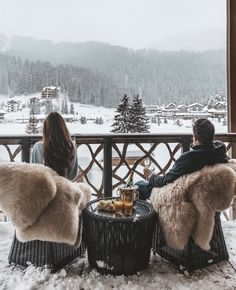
[107,174]
[231,77]
[25,153]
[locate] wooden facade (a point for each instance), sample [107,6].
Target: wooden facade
[13,105]
[50,92]
[231,74]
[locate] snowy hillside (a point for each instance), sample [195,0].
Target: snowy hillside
[158,276]
[15,122]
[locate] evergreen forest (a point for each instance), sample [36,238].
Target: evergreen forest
[100,74]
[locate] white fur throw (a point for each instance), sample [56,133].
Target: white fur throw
[41,204]
[187,206]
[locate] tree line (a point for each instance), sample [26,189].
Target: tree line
[101,74]
[19,77]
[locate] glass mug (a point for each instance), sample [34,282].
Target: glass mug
[128,195]
[119,205]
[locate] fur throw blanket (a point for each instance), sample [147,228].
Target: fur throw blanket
[41,204]
[187,206]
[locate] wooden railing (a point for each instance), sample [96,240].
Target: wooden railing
[97,153]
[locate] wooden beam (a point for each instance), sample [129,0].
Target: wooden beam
[231,64]
[231,78]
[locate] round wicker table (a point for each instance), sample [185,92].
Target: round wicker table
[119,244]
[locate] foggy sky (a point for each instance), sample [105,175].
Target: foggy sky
[130,23]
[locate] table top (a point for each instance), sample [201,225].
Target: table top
[141,210]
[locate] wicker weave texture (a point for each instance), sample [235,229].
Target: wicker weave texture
[192,257]
[42,253]
[119,246]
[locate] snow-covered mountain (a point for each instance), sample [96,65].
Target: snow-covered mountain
[199,40]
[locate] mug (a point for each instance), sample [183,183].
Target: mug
[128,195]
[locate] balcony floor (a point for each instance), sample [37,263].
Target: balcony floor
[158,276]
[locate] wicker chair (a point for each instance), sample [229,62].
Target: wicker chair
[41,253]
[192,257]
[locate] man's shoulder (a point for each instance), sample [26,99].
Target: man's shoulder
[187,154]
[184,159]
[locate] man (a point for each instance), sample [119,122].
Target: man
[204,152]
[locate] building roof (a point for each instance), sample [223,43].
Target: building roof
[221,103]
[50,88]
[182,106]
[195,104]
[14,101]
[36,97]
[170,104]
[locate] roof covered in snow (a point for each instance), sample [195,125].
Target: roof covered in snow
[50,88]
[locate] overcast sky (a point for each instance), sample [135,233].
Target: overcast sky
[131,23]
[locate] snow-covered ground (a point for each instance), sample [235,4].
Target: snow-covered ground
[90,127]
[159,275]
[13,122]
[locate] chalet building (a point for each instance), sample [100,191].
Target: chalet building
[195,107]
[13,105]
[50,92]
[194,115]
[171,106]
[152,109]
[220,106]
[182,108]
[34,100]
[170,110]
[217,113]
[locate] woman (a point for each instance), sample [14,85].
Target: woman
[57,149]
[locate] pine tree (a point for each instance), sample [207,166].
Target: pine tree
[139,122]
[35,107]
[72,110]
[63,107]
[121,119]
[49,106]
[66,108]
[100,121]
[56,108]
[32,126]
[79,95]
[83,120]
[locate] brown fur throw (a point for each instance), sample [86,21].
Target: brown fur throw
[41,204]
[187,206]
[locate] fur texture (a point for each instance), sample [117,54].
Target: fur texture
[41,204]
[187,206]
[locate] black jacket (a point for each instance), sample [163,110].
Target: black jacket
[191,161]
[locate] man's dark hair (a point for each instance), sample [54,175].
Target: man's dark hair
[204,131]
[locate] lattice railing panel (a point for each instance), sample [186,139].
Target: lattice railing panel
[90,165]
[131,157]
[10,153]
[108,159]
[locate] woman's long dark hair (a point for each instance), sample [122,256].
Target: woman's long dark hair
[58,148]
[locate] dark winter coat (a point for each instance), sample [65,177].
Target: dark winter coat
[191,161]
